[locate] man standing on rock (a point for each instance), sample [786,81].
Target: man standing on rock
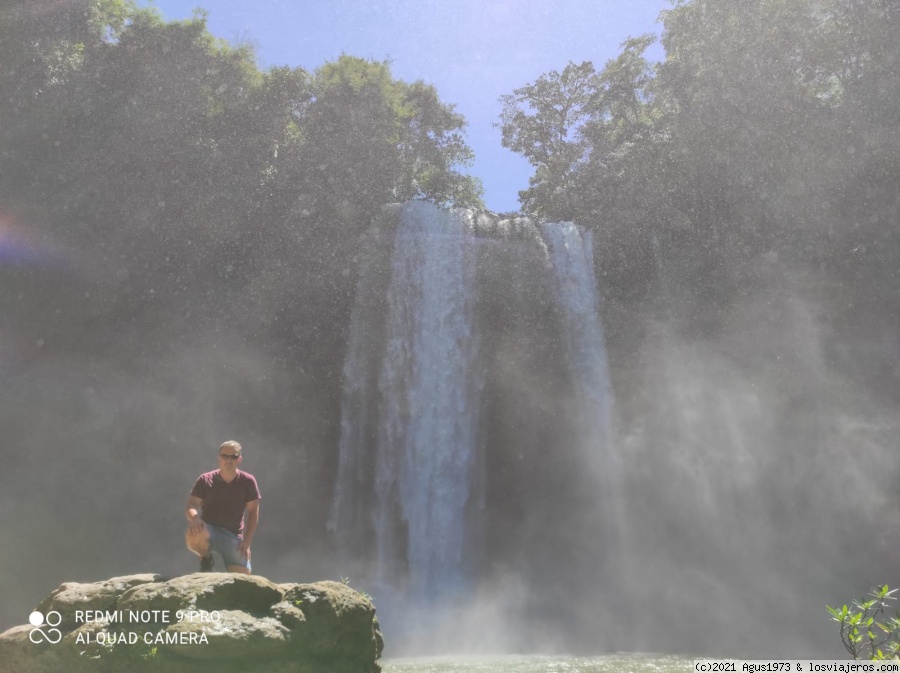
[215,512]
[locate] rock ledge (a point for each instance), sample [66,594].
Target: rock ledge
[206,621]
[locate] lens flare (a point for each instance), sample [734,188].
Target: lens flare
[17,248]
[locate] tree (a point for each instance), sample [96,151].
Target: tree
[600,147]
[757,133]
[542,121]
[370,139]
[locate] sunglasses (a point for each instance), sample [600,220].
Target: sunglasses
[229,456]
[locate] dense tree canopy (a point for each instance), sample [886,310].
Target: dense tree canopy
[164,158]
[769,127]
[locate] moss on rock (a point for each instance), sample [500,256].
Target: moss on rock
[204,621]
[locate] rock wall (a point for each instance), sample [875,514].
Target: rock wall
[200,622]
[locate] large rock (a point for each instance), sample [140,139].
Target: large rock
[202,622]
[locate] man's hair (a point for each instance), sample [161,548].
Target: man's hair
[231,444]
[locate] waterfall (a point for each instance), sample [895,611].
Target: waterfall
[571,258]
[426,408]
[452,309]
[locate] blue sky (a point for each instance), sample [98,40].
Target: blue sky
[472,51]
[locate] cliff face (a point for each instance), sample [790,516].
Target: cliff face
[204,621]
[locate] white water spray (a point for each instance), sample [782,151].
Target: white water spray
[410,492]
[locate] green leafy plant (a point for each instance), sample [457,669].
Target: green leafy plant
[866,630]
[346,581]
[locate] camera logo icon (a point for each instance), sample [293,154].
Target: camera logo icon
[51,620]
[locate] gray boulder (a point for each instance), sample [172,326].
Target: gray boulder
[206,621]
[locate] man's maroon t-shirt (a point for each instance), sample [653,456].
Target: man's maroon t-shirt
[224,502]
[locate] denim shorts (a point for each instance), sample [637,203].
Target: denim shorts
[226,543]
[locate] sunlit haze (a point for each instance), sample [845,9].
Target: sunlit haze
[657,411]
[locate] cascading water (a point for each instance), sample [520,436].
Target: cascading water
[576,291]
[428,391]
[425,409]
[410,496]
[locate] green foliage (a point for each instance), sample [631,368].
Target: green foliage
[576,127]
[766,129]
[866,630]
[542,121]
[346,581]
[164,157]
[168,102]
[375,139]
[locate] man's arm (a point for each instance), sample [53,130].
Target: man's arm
[192,511]
[250,523]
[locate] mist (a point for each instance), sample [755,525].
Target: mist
[755,478]
[191,249]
